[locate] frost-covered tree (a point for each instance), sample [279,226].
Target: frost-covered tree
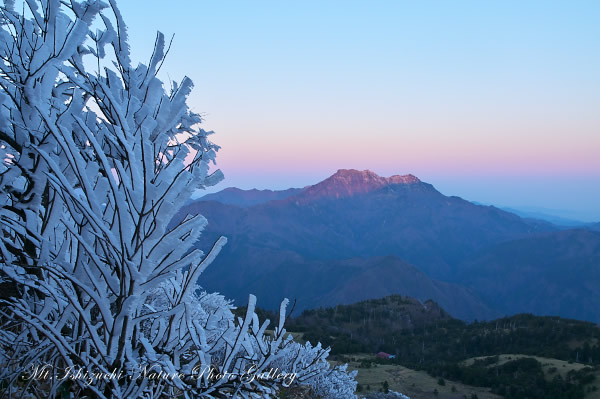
[99,292]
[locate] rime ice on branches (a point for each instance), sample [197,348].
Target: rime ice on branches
[97,158]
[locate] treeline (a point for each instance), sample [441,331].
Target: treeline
[520,378]
[424,337]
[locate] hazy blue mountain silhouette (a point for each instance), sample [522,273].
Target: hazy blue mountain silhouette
[243,198]
[357,217]
[359,214]
[554,273]
[594,226]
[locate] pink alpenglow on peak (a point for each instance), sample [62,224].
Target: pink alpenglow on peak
[350,182]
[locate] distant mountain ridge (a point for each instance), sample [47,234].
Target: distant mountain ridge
[308,238]
[412,221]
[541,215]
[565,263]
[594,226]
[344,183]
[243,198]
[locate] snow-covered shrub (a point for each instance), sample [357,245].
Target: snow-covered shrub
[99,297]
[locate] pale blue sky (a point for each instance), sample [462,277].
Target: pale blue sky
[496,102]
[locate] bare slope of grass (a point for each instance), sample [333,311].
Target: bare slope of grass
[415,384]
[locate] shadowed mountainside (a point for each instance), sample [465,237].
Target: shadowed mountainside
[356,214]
[554,273]
[357,235]
[315,283]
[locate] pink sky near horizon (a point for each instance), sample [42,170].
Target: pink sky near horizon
[496,102]
[492,146]
[469,158]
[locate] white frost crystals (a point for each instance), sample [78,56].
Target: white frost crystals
[98,297]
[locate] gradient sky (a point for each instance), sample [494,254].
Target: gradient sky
[496,102]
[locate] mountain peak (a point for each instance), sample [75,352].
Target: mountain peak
[354,174]
[370,176]
[350,182]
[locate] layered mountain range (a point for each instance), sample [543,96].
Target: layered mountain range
[357,235]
